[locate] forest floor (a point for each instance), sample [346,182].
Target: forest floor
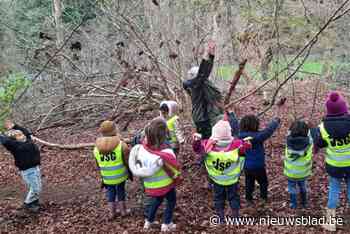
[73,202]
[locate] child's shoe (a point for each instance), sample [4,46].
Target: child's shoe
[112,213]
[148,225]
[168,227]
[123,210]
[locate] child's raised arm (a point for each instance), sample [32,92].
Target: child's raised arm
[266,133]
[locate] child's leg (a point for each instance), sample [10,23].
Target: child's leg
[233,198]
[111,193]
[219,201]
[249,186]
[121,198]
[333,193]
[32,179]
[348,190]
[152,207]
[263,182]
[303,192]
[292,190]
[170,206]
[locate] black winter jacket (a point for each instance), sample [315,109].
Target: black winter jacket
[204,94]
[26,154]
[338,127]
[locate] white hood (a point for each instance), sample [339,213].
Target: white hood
[143,163]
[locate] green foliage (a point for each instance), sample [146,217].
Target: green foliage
[29,17]
[9,88]
[74,11]
[309,67]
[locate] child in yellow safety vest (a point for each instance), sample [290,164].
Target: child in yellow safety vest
[224,164]
[111,155]
[334,136]
[168,111]
[298,162]
[156,163]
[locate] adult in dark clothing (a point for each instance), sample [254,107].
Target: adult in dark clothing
[254,166]
[334,135]
[206,98]
[18,141]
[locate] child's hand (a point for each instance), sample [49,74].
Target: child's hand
[196,136]
[8,124]
[211,47]
[278,120]
[248,139]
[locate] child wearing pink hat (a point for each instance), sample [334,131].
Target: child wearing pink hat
[334,135]
[223,157]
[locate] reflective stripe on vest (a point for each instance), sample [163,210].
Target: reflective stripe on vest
[298,168]
[337,155]
[224,168]
[159,180]
[171,126]
[111,166]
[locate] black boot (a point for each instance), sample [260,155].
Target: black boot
[34,207]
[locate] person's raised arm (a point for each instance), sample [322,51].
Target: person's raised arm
[268,131]
[10,125]
[7,142]
[207,63]
[204,69]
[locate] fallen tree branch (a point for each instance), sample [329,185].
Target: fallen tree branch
[70,147]
[47,116]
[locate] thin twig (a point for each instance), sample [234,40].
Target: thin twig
[314,100]
[308,46]
[50,59]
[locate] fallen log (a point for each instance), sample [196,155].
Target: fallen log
[60,146]
[70,146]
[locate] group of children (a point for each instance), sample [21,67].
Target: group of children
[225,157]
[225,146]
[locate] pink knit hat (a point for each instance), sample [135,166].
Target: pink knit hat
[336,104]
[221,131]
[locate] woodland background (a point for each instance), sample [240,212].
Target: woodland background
[67,65]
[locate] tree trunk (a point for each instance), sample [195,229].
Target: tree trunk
[57,12]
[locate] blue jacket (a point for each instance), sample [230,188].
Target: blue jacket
[255,157]
[338,127]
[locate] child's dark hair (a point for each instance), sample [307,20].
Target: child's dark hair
[249,123]
[164,108]
[156,132]
[299,128]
